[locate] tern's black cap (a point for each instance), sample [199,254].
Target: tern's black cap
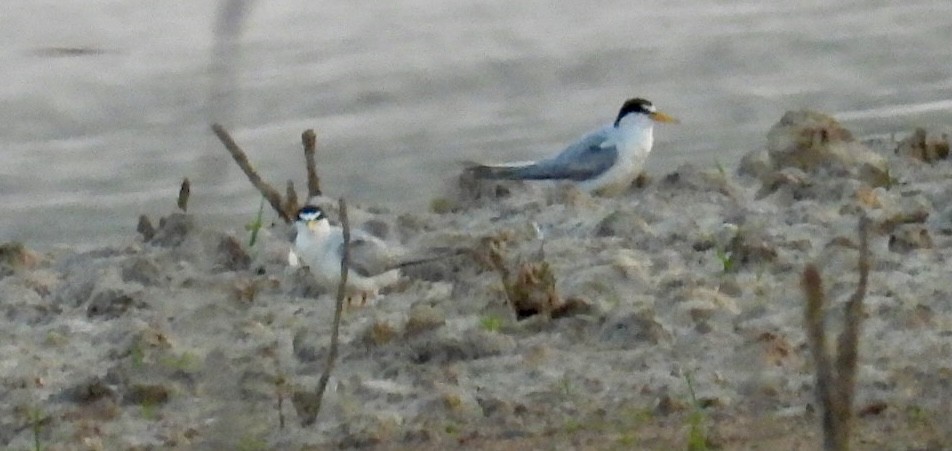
[310,213]
[635,105]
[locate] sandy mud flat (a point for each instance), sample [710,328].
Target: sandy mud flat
[672,315]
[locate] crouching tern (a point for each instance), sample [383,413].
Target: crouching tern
[372,266]
[320,246]
[605,161]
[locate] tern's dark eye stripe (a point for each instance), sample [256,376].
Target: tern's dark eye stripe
[310,213]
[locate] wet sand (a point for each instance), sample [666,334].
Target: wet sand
[189,340]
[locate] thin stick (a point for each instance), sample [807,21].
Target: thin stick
[145,228]
[338,308]
[848,346]
[291,200]
[309,139]
[423,260]
[280,385]
[274,198]
[184,191]
[812,284]
[836,383]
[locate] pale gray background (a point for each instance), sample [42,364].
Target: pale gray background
[400,92]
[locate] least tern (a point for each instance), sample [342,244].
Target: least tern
[320,246]
[605,161]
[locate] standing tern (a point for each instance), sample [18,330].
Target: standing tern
[605,161]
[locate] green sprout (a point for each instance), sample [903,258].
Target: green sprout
[451,429]
[891,180]
[697,439]
[186,362]
[491,323]
[720,168]
[565,386]
[249,442]
[36,422]
[726,258]
[138,355]
[256,225]
[149,410]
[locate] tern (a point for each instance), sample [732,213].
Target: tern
[320,246]
[372,265]
[605,161]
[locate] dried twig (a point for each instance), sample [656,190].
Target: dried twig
[280,387]
[146,228]
[184,191]
[836,385]
[532,291]
[274,198]
[812,284]
[309,139]
[291,200]
[338,308]
[848,345]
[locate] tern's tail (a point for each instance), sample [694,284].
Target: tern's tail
[444,254]
[510,171]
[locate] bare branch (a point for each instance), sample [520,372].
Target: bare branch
[274,198]
[291,200]
[309,139]
[145,228]
[338,308]
[184,191]
[847,353]
[836,386]
[812,284]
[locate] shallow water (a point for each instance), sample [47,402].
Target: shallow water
[399,94]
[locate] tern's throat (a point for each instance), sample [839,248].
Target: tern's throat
[635,130]
[314,232]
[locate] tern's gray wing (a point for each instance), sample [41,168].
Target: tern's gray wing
[585,159]
[368,256]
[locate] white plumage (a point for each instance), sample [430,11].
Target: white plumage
[373,265]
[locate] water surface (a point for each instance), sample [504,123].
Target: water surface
[103,104]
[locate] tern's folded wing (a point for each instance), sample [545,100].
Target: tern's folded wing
[585,159]
[369,256]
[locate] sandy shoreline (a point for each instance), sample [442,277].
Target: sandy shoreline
[186,341]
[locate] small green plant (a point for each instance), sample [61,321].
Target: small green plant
[720,168]
[249,442]
[186,362]
[36,423]
[628,440]
[697,434]
[890,179]
[572,426]
[491,323]
[137,354]
[442,205]
[149,409]
[565,386]
[917,415]
[726,258]
[638,415]
[451,428]
[256,225]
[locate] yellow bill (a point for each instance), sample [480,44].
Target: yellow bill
[658,116]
